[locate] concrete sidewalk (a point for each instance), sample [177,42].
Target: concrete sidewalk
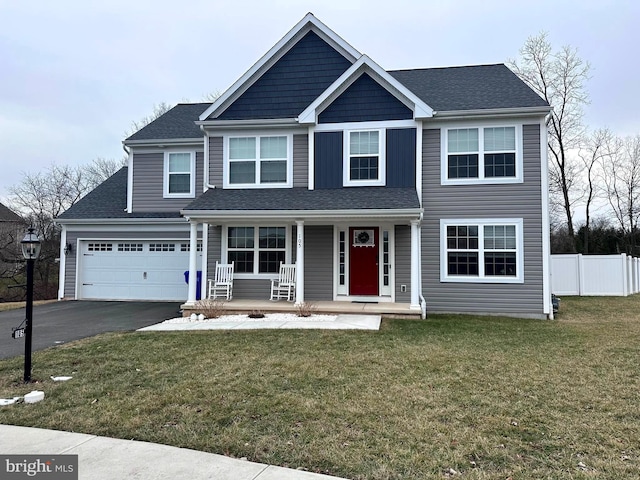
[273,321]
[102,458]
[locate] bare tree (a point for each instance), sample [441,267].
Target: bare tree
[41,197]
[100,169]
[621,176]
[158,110]
[598,146]
[558,77]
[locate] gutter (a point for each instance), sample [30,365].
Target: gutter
[307,214]
[462,114]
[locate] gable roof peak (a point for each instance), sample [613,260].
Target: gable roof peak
[308,23]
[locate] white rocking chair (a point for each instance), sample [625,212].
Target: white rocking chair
[285,285]
[222,284]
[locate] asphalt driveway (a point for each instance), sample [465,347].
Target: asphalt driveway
[62,322]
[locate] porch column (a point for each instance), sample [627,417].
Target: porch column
[299,262]
[415,262]
[193,252]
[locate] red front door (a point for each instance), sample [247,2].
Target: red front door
[363,261]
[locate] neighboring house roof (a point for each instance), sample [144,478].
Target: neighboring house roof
[109,200]
[475,87]
[9,216]
[174,124]
[300,198]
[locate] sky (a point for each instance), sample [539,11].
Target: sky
[74,75]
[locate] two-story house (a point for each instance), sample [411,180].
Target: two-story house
[425,187]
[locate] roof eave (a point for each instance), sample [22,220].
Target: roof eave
[408,213]
[164,141]
[251,123]
[110,221]
[492,112]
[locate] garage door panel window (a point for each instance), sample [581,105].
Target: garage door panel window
[100,247]
[130,247]
[256,250]
[162,247]
[482,251]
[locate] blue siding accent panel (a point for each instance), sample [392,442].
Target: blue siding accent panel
[365,101]
[292,83]
[401,157]
[328,160]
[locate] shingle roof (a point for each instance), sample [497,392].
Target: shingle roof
[176,123]
[109,200]
[475,87]
[360,198]
[8,215]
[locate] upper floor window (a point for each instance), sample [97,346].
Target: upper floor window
[179,174]
[482,251]
[482,155]
[364,162]
[258,161]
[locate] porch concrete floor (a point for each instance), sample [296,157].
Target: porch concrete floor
[393,310]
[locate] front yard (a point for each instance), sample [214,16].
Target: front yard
[488,398]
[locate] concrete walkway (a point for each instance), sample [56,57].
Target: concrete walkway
[102,458]
[242,322]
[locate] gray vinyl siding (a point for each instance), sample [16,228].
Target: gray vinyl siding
[214,248]
[520,200]
[215,161]
[72,238]
[403,262]
[301,160]
[148,178]
[318,263]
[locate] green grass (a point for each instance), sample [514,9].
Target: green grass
[492,398]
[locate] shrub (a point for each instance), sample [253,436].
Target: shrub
[210,308]
[305,309]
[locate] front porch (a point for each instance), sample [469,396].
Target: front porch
[386,309]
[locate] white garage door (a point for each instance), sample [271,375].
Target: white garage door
[134,270]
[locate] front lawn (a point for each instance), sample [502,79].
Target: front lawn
[491,398]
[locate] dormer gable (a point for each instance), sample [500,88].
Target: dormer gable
[363,81]
[287,78]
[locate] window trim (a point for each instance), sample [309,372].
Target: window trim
[382,158]
[226,170]
[192,174]
[481,179]
[256,248]
[481,223]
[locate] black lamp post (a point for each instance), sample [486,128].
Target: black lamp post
[30,250]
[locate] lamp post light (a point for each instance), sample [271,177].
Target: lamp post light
[30,250]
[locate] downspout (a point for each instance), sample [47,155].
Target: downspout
[423,302]
[129,207]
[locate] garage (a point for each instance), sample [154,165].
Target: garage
[134,270]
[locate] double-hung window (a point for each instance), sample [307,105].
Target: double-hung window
[260,161]
[482,155]
[364,162]
[179,174]
[482,251]
[256,249]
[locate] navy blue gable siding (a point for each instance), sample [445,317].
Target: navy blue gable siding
[401,157]
[365,101]
[328,160]
[292,83]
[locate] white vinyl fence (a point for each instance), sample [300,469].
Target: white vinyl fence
[577,274]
